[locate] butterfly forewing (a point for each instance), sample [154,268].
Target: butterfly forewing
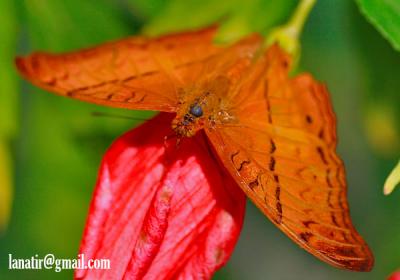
[281,151]
[134,73]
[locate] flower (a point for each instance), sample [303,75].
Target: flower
[395,276]
[161,210]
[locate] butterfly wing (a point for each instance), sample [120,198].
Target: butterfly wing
[281,151]
[134,73]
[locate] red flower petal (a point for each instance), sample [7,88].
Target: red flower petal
[161,212]
[395,276]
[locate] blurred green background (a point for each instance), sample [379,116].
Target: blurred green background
[50,147]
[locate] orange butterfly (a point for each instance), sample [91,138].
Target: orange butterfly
[274,134]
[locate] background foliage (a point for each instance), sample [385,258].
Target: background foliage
[50,147]
[385,15]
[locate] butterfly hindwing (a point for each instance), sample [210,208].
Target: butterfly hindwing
[281,151]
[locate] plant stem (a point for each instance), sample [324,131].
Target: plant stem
[299,17]
[288,35]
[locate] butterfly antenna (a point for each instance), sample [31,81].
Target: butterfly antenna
[102,114]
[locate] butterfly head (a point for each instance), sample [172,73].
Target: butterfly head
[189,121]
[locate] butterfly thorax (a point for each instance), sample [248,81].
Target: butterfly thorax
[188,123]
[201,108]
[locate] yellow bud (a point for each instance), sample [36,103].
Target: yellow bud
[392,180]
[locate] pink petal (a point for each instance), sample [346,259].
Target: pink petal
[161,211]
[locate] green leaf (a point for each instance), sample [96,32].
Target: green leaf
[8,107]
[8,78]
[145,9]
[67,25]
[380,65]
[385,16]
[236,18]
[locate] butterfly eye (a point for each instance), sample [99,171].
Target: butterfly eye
[196,110]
